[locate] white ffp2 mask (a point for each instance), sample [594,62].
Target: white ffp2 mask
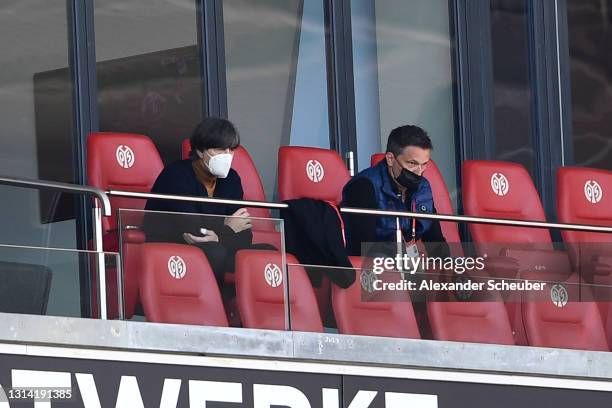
[219,165]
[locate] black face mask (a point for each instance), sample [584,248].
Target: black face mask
[408,179]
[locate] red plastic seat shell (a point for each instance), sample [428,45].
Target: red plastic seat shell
[260,292]
[192,299]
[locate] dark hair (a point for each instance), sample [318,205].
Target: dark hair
[407,135]
[214,133]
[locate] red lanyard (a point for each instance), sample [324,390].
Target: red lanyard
[333,205]
[413,237]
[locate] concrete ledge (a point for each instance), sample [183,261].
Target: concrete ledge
[312,347]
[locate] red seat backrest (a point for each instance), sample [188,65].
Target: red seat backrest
[376,158]
[253,190]
[260,292]
[310,172]
[185,149]
[178,286]
[122,161]
[475,322]
[443,203]
[584,196]
[576,325]
[392,318]
[319,174]
[499,189]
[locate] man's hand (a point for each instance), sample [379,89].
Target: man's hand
[207,236]
[239,224]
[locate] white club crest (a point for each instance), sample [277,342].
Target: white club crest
[558,295]
[500,184]
[125,156]
[177,267]
[367,279]
[273,275]
[593,191]
[315,171]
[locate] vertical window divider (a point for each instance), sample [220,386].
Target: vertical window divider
[473,65]
[474,73]
[341,92]
[82,65]
[211,49]
[547,114]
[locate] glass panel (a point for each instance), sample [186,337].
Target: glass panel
[510,286]
[194,269]
[149,81]
[46,281]
[403,75]
[590,34]
[512,92]
[276,77]
[36,121]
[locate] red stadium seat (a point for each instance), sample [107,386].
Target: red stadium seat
[574,325]
[376,158]
[263,231]
[389,317]
[502,190]
[260,292]
[442,202]
[123,161]
[185,149]
[499,189]
[583,197]
[178,286]
[474,322]
[310,172]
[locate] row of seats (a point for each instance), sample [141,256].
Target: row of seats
[493,189]
[498,189]
[188,295]
[131,162]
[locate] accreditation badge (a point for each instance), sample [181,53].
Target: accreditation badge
[411,255]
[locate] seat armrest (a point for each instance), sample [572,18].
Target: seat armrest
[133,236]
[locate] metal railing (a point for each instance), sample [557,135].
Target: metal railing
[246,203]
[479,220]
[363,211]
[97,214]
[367,211]
[102,207]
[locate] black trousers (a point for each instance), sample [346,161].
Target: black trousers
[222,258]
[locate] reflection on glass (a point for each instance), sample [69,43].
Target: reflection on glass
[403,75]
[518,295]
[36,119]
[276,77]
[189,268]
[590,36]
[149,82]
[46,281]
[512,93]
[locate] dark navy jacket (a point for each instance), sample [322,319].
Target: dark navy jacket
[179,178]
[374,188]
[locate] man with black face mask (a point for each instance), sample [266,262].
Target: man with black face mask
[396,184]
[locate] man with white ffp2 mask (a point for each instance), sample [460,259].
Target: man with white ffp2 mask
[207,173]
